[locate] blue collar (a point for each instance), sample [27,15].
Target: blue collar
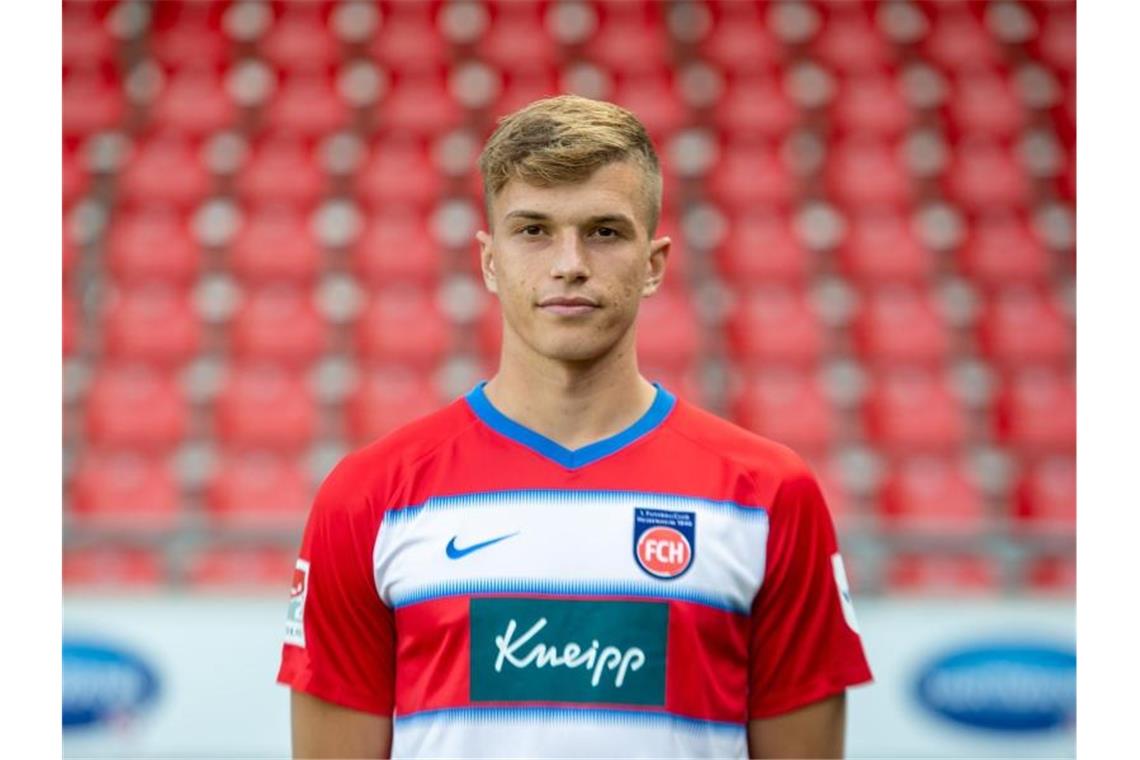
[570,458]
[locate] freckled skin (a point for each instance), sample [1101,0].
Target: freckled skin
[569,252]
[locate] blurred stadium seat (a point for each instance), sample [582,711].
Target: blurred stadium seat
[931,494]
[115,403]
[124,490]
[260,489]
[264,406]
[153,323]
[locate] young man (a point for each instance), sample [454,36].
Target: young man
[570,561]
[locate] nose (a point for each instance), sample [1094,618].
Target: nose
[569,259]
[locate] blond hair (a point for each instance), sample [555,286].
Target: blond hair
[564,140]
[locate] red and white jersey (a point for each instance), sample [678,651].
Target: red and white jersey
[500,595]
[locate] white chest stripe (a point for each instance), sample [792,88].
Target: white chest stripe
[563,542]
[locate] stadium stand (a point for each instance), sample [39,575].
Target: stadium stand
[268,259]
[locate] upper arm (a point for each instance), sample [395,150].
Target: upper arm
[804,644]
[339,648]
[325,730]
[815,730]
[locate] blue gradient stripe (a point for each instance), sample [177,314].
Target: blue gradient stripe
[541,714]
[565,588]
[485,499]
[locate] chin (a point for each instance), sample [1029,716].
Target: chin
[574,350]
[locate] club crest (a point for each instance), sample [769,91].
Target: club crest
[664,541]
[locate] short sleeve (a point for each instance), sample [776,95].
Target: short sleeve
[804,642]
[339,636]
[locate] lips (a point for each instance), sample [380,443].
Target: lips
[568,305]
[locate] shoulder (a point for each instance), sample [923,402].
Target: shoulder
[763,457]
[374,470]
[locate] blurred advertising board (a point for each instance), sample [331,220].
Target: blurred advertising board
[194,676]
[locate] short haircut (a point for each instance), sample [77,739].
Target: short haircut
[564,140]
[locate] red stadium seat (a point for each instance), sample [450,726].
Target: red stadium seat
[762,247]
[71,254]
[265,407]
[523,86]
[1057,43]
[985,103]
[278,323]
[194,100]
[399,171]
[408,38]
[1021,324]
[670,334]
[71,325]
[774,324]
[899,323]
[883,245]
[1037,411]
[789,406]
[755,104]
[156,324]
[112,569]
[275,243]
[631,38]
[933,495]
[1052,576]
[85,36]
[189,33]
[740,40]
[403,326]
[946,575]
[75,176]
[850,42]
[983,175]
[152,244]
[282,168]
[871,104]
[680,381]
[307,103]
[419,103]
[386,398]
[301,38]
[397,245]
[750,175]
[93,100]
[256,568]
[959,41]
[912,409]
[867,171]
[517,39]
[1046,496]
[124,490]
[115,409]
[167,168]
[1000,248]
[259,488]
[653,97]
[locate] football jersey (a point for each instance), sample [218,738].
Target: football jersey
[500,595]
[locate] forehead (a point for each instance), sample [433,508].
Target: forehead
[615,188]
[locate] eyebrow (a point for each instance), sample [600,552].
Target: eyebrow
[600,219]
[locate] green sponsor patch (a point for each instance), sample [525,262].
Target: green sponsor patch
[568,651]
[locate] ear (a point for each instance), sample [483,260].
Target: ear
[655,266]
[486,261]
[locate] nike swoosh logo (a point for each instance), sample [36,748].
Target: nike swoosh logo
[454,552]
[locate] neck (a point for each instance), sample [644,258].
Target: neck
[572,403]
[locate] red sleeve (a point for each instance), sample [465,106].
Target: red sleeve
[804,645]
[339,639]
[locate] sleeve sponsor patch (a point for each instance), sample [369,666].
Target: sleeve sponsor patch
[295,617]
[845,602]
